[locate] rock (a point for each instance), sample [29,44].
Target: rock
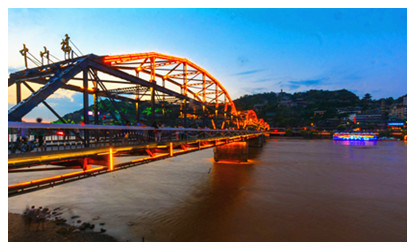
[103,230]
[102,223]
[96,218]
[91,226]
[74,217]
[59,221]
[84,226]
[78,221]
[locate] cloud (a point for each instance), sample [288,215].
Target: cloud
[263,80]
[302,84]
[14,69]
[250,72]
[255,90]
[242,60]
[63,94]
[290,86]
[308,82]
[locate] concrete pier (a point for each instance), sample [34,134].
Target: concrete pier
[257,142]
[235,151]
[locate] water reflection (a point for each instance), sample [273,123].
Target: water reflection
[355,143]
[289,190]
[208,213]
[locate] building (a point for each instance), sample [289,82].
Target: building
[370,120]
[398,111]
[349,110]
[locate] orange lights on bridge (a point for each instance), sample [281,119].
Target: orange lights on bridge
[189,77]
[111,160]
[155,61]
[89,89]
[54,178]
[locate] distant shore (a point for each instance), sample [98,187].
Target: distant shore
[19,232]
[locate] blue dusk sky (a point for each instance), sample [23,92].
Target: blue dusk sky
[247,50]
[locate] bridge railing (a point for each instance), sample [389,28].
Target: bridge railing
[37,137]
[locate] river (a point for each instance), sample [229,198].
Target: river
[290,190]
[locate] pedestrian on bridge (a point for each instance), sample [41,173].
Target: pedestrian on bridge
[156,132]
[39,136]
[125,134]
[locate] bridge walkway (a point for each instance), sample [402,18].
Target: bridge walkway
[99,160]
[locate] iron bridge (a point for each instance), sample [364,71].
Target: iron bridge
[195,108]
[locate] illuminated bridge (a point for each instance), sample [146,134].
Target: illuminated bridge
[195,109]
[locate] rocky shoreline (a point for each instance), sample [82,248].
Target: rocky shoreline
[55,230]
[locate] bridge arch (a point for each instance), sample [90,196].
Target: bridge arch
[167,77]
[181,72]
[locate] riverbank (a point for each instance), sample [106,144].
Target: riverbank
[53,232]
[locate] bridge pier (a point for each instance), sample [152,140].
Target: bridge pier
[257,142]
[234,151]
[86,165]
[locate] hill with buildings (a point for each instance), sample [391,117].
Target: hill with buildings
[324,109]
[321,109]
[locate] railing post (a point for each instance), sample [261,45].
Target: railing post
[171,148]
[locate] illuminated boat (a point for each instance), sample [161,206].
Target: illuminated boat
[355,136]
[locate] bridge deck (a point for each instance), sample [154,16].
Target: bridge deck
[166,150]
[38,158]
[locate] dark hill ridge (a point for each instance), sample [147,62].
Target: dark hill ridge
[278,109]
[313,106]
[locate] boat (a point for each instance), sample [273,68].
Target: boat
[353,136]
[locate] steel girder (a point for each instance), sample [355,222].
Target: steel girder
[57,75]
[59,79]
[132,79]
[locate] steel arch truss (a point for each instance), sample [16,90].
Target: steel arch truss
[154,78]
[249,119]
[177,73]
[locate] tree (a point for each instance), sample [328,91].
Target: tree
[367,97]
[366,101]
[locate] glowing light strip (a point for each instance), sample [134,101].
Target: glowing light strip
[27,183]
[355,137]
[111,167]
[150,157]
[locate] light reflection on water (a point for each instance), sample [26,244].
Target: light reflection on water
[355,143]
[290,190]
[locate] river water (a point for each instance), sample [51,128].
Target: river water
[290,190]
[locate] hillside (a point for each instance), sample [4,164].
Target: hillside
[278,109]
[313,106]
